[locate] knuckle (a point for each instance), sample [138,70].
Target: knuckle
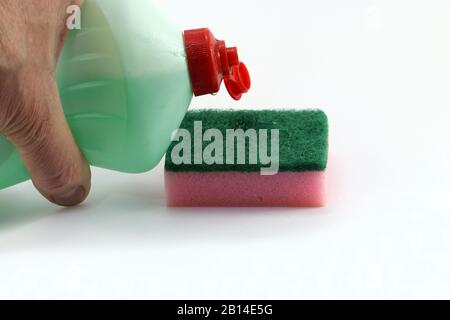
[27,127]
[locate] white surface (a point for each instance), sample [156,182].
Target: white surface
[381,70]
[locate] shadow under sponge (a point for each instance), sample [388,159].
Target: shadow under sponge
[303,155]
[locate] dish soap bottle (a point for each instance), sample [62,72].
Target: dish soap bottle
[126,79]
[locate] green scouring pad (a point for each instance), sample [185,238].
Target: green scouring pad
[248,158]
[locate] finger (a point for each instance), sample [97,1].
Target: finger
[47,147]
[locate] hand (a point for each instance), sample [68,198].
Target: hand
[32,34]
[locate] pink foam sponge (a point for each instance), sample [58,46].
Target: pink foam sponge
[248,159]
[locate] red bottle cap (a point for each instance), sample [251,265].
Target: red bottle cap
[210,62]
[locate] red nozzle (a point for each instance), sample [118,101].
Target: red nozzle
[210,62]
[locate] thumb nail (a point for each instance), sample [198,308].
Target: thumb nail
[70,198]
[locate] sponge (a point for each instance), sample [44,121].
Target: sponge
[248,159]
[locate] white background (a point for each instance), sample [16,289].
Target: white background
[381,71]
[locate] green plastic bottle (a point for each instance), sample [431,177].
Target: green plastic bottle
[126,79]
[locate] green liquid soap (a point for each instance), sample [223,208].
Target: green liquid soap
[126,80]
